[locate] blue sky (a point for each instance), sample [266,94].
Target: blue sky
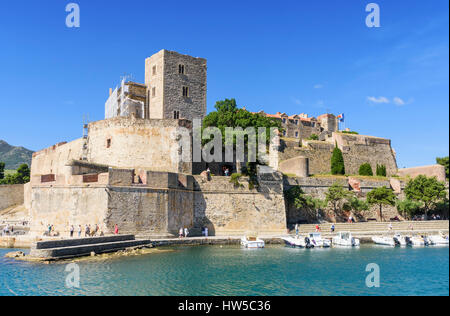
[289,56]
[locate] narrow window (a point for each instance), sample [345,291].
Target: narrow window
[186,92]
[154,70]
[181,69]
[296,122]
[108,143]
[153,91]
[176,115]
[296,134]
[284,121]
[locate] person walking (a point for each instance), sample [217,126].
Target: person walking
[80,230]
[116,229]
[333,228]
[72,229]
[180,233]
[186,232]
[86,231]
[296,230]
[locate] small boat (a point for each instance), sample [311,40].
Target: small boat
[346,239]
[402,240]
[418,241]
[298,242]
[317,240]
[440,239]
[252,242]
[385,241]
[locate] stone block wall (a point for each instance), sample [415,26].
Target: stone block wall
[227,210]
[140,144]
[356,150]
[11,195]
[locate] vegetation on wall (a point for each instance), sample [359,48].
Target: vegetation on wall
[313,206]
[337,162]
[365,170]
[381,171]
[381,196]
[313,137]
[350,132]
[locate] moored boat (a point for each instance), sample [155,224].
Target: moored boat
[317,240]
[252,242]
[346,239]
[384,240]
[298,242]
[440,239]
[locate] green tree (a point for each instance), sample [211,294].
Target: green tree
[356,205]
[381,170]
[228,114]
[427,190]
[444,162]
[365,170]
[295,196]
[335,195]
[337,162]
[381,196]
[409,208]
[2,170]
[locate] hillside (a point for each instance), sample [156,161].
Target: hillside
[13,156]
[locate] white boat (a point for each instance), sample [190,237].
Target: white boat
[440,239]
[384,240]
[402,240]
[252,242]
[317,240]
[418,241]
[346,239]
[298,242]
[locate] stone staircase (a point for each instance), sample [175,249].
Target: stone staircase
[70,248]
[374,228]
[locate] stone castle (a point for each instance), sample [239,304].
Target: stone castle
[128,168]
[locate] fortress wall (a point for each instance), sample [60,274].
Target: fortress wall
[356,150]
[53,160]
[11,195]
[139,144]
[359,149]
[227,210]
[317,187]
[63,206]
[437,171]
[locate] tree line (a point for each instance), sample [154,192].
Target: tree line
[21,176]
[423,196]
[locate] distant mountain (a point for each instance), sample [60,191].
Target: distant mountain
[13,157]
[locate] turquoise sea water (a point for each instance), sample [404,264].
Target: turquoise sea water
[212,270]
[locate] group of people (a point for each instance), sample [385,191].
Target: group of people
[183,232]
[88,231]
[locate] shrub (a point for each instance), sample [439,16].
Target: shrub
[381,170]
[350,132]
[365,170]
[337,162]
[313,137]
[235,177]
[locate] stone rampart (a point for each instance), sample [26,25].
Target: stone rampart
[11,195]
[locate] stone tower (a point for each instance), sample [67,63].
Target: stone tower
[176,86]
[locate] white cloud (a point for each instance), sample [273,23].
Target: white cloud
[378,100]
[398,101]
[318,86]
